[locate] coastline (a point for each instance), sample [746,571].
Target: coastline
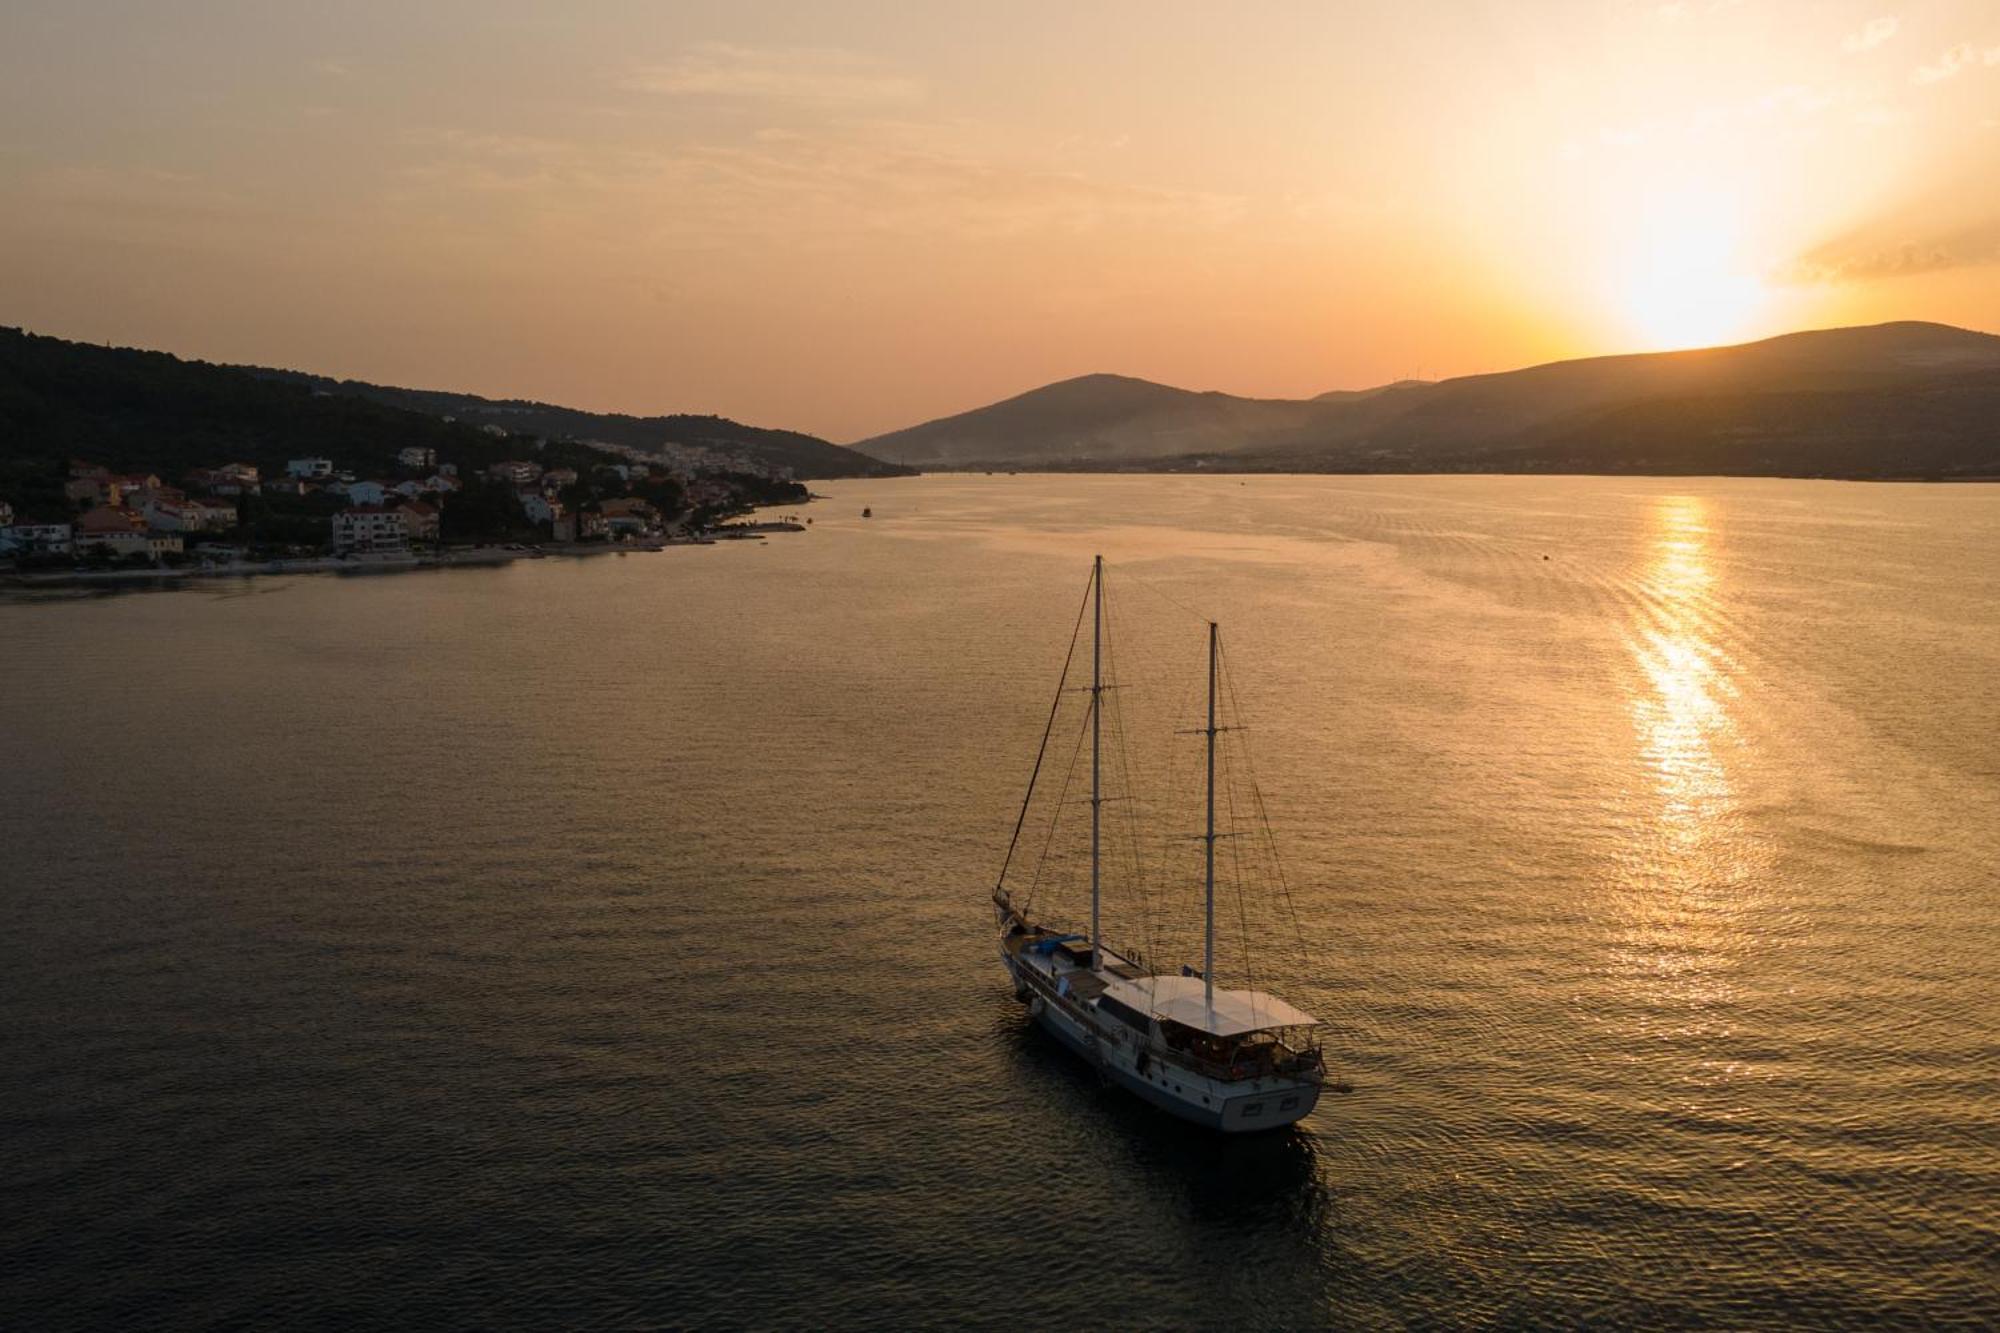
[477,557]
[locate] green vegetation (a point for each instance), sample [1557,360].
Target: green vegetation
[147,412]
[807,456]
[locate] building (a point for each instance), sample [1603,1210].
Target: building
[153,545]
[143,498]
[420,519]
[516,472]
[122,531]
[37,538]
[105,521]
[628,515]
[558,477]
[309,467]
[166,515]
[370,527]
[538,507]
[417,458]
[211,515]
[368,492]
[6,515]
[583,525]
[220,481]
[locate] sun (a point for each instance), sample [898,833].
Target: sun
[1683,283]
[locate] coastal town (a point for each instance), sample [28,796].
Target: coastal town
[317,513]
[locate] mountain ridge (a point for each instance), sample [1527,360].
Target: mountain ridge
[810,457]
[1522,418]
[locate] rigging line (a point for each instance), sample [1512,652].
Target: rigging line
[1165,596]
[1123,748]
[1236,875]
[1263,815]
[1062,680]
[1055,816]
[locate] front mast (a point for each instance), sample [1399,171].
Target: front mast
[1096,718]
[1208,840]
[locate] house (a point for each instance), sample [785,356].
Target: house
[368,492]
[309,467]
[6,515]
[174,512]
[91,489]
[447,469]
[219,482]
[106,520]
[538,507]
[40,538]
[420,519]
[498,432]
[243,472]
[370,527]
[136,481]
[150,544]
[582,525]
[143,498]
[444,483]
[417,458]
[627,514]
[558,477]
[165,515]
[122,531]
[211,515]
[515,472]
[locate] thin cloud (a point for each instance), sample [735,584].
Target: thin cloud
[801,76]
[1867,257]
[1960,57]
[1871,35]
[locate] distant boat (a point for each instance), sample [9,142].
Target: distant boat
[867,513]
[1230,1060]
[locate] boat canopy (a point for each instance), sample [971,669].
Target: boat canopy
[1180,1000]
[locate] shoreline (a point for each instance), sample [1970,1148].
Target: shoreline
[474,557]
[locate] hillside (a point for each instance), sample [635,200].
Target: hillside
[1884,400]
[1109,418]
[147,411]
[808,456]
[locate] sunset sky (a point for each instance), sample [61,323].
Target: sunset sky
[845,218]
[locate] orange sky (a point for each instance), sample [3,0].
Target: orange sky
[844,218]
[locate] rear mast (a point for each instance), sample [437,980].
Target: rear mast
[1208,841]
[1096,726]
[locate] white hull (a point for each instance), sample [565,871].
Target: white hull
[1142,1066]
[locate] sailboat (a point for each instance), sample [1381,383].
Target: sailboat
[1236,1061]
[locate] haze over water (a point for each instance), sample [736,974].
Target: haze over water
[606,942]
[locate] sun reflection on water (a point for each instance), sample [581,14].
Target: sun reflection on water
[1686,920]
[1686,715]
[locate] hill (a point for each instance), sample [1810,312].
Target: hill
[137,411]
[1103,418]
[808,456]
[1885,400]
